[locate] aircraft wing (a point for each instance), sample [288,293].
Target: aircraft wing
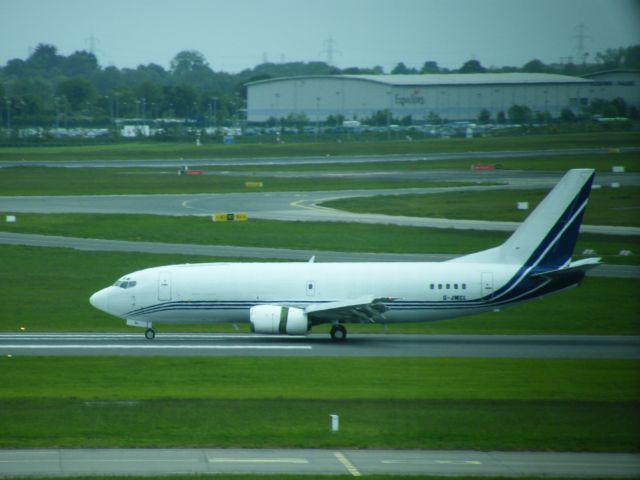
[367,309]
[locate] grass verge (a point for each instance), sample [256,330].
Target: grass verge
[107,181]
[607,206]
[52,290]
[234,476]
[481,404]
[178,151]
[312,236]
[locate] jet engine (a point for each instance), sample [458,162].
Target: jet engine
[278,319]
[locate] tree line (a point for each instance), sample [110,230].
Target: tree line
[50,89]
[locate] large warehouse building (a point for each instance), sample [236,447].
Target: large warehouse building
[449,96]
[612,84]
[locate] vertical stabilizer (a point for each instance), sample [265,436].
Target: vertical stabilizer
[546,239]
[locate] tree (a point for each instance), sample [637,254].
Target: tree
[32,96]
[188,61]
[567,115]
[632,57]
[611,58]
[77,91]
[45,60]
[181,99]
[472,66]
[543,117]
[519,114]
[15,68]
[80,64]
[484,116]
[402,69]
[430,67]
[434,118]
[534,66]
[570,69]
[297,120]
[380,117]
[501,117]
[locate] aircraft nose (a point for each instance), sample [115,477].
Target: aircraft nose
[99,300]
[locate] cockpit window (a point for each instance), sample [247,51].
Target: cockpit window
[125,284]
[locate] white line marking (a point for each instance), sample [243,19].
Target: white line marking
[258,460]
[157,347]
[347,464]
[97,336]
[439,462]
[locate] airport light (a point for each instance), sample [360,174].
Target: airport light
[7,100]
[215,111]
[317,117]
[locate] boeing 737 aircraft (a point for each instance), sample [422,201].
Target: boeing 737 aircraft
[291,298]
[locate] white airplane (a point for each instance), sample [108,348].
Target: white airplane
[291,298]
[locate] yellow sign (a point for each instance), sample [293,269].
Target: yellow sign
[230,217]
[253,184]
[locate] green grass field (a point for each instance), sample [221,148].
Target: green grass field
[571,405]
[107,181]
[303,477]
[313,236]
[54,297]
[607,206]
[486,404]
[178,151]
[119,181]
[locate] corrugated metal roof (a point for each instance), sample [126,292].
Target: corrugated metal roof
[469,78]
[449,79]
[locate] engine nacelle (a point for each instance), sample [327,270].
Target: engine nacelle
[278,319]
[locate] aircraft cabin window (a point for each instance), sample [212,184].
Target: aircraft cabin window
[464,286]
[439,286]
[432,286]
[448,286]
[455,286]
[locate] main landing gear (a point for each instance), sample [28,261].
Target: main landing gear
[338,333]
[150,334]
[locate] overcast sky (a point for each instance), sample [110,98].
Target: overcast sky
[238,34]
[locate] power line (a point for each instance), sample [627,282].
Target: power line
[580,38]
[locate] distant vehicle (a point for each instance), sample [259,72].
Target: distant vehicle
[351,124]
[291,298]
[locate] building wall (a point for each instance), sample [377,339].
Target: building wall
[623,84]
[319,97]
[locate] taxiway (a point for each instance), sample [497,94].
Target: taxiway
[108,462]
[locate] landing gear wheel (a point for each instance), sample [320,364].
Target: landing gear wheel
[338,333]
[150,334]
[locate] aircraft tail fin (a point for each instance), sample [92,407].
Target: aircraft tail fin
[546,239]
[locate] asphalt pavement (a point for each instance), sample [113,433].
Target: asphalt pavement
[231,251]
[320,345]
[144,461]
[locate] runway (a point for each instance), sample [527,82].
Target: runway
[109,462]
[320,345]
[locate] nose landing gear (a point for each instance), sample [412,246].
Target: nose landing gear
[150,334]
